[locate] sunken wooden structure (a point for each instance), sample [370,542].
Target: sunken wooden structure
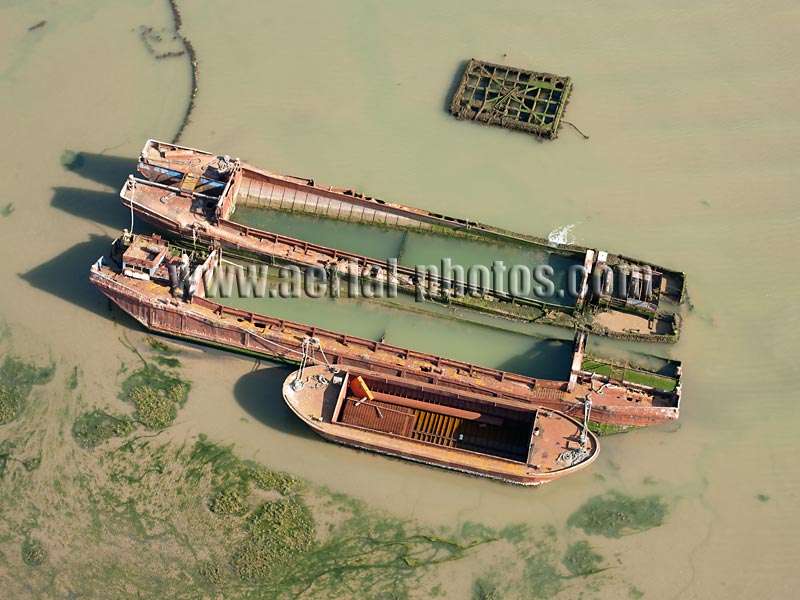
[512,98]
[192,195]
[436,426]
[145,292]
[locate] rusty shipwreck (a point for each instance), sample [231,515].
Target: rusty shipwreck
[142,276]
[438,426]
[192,195]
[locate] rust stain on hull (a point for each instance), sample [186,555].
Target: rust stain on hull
[149,301]
[527,446]
[192,194]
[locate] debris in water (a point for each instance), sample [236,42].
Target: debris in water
[38,25]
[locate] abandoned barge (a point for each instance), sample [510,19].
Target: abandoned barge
[191,195]
[140,279]
[421,423]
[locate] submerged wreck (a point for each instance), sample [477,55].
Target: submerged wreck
[512,98]
[164,290]
[192,195]
[437,426]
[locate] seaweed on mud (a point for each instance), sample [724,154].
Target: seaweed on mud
[156,394]
[7,210]
[211,572]
[366,554]
[93,428]
[158,380]
[273,480]
[228,502]
[160,347]
[7,448]
[17,379]
[278,531]
[168,361]
[581,560]
[154,409]
[541,577]
[485,590]
[33,552]
[615,514]
[72,379]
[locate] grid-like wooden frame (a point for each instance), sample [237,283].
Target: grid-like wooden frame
[513,98]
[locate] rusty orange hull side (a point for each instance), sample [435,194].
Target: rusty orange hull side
[220,326]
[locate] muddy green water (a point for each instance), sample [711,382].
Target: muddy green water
[692,163]
[421,250]
[481,345]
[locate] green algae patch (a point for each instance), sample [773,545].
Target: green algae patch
[228,502]
[156,394]
[7,210]
[17,379]
[71,160]
[273,480]
[154,409]
[7,455]
[581,560]
[212,572]
[72,379]
[162,382]
[33,552]
[615,514]
[160,347]
[278,532]
[168,361]
[540,576]
[485,590]
[607,428]
[93,428]
[311,542]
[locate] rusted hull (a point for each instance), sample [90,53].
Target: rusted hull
[552,444]
[530,481]
[169,167]
[276,339]
[246,242]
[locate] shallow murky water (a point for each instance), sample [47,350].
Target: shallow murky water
[692,163]
[422,250]
[478,344]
